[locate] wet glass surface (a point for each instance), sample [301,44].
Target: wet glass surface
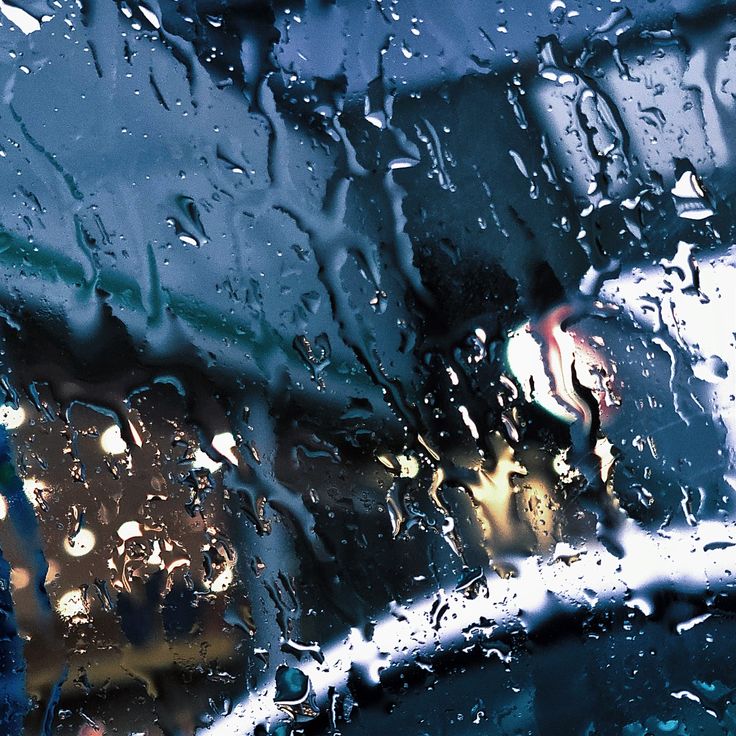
[367,367]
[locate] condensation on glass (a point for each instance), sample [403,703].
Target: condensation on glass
[367,367]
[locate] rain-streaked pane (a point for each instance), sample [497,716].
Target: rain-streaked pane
[367,367]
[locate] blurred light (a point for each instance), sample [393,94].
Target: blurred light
[20,18]
[12,418]
[82,543]
[697,560]
[223,581]
[72,605]
[99,730]
[129,530]
[568,358]
[698,321]
[203,460]
[112,441]
[469,423]
[524,358]
[19,578]
[224,443]
[409,466]
[30,486]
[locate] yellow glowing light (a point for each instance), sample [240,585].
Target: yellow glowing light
[129,530]
[30,486]
[73,606]
[604,449]
[223,581]
[406,466]
[409,466]
[82,543]
[493,494]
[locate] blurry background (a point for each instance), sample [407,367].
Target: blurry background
[321,317]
